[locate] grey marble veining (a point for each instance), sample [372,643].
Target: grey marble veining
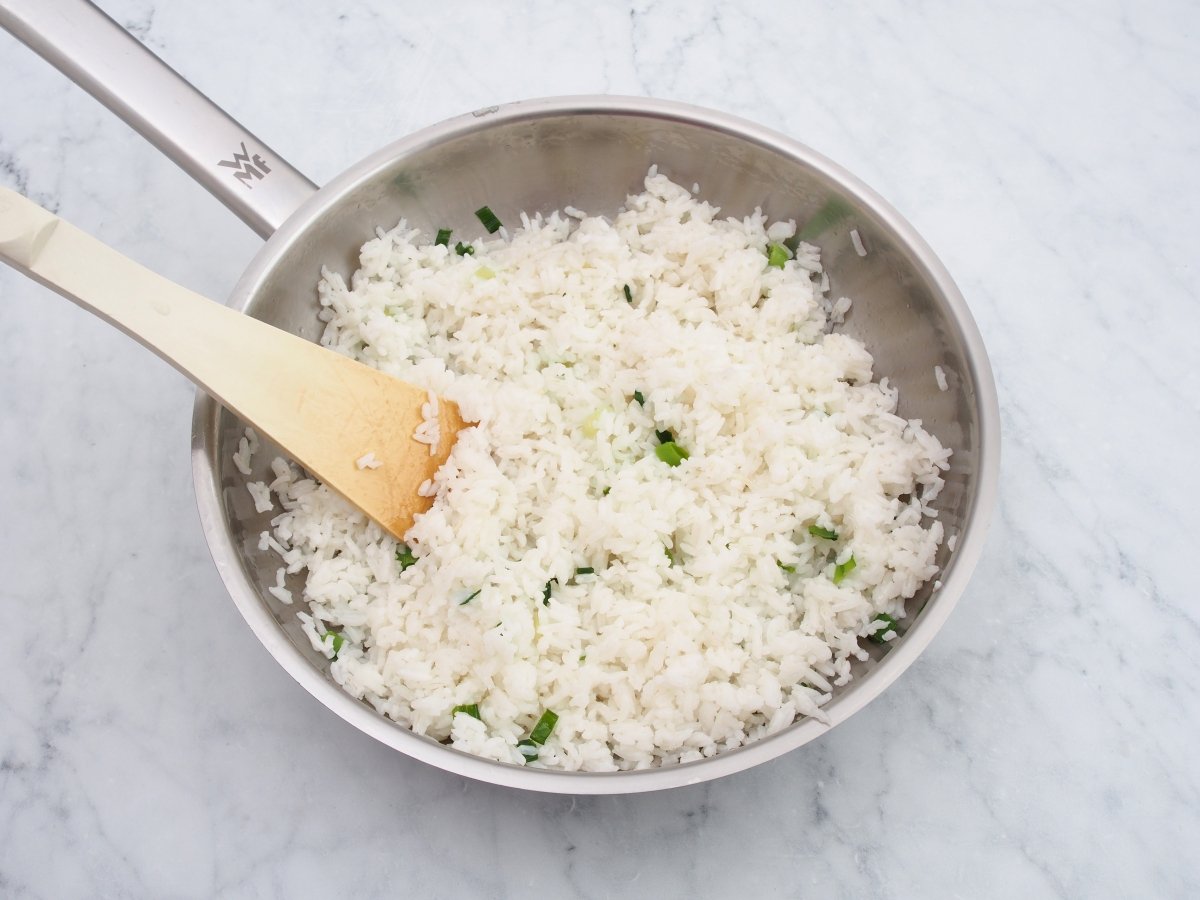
[1044,746]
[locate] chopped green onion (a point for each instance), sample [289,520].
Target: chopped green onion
[464,249]
[628,294]
[671,453]
[470,598]
[528,749]
[545,725]
[828,533]
[586,570]
[404,556]
[335,640]
[640,398]
[546,591]
[791,570]
[889,624]
[824,219]
[777,255]
[443,237]
[664,437]
[484,273]
[471,709]
[488,218]
[605,492]
[670,558]
[591,425]
[841,570]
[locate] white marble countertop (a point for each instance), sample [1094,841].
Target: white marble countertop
[1045,744]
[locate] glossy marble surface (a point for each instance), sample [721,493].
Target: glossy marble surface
[1044,746]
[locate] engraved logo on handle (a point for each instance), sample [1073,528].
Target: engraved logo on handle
[247,167]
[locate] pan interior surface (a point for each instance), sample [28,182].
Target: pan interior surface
[592,153]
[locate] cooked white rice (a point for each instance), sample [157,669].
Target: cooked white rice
[261,494]
[430,430]
[713,616]
[247,447]
[368,461]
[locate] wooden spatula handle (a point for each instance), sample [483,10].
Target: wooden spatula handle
[325,409]
[208,342]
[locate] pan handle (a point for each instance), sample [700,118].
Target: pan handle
[122,73]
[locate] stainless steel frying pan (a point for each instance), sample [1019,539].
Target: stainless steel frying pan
[538,156]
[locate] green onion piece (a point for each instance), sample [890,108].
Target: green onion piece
[546,591]
[824,219]
[671,453]
[889,624]
[471,709]
[841,570]
[443,237]
[828,533]
[670,558]
[488,218]
[640,398]
[472,597]
[591,425]
[605,492]
[664,437]
[586,570]
[545,725]
[404,556]
[628,294]
[528,749]
[777,255]
[335,640]
[464,249]
[791,570]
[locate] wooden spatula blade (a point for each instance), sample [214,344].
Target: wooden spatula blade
[329,438]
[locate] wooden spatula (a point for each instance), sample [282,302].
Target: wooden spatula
[326,411]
